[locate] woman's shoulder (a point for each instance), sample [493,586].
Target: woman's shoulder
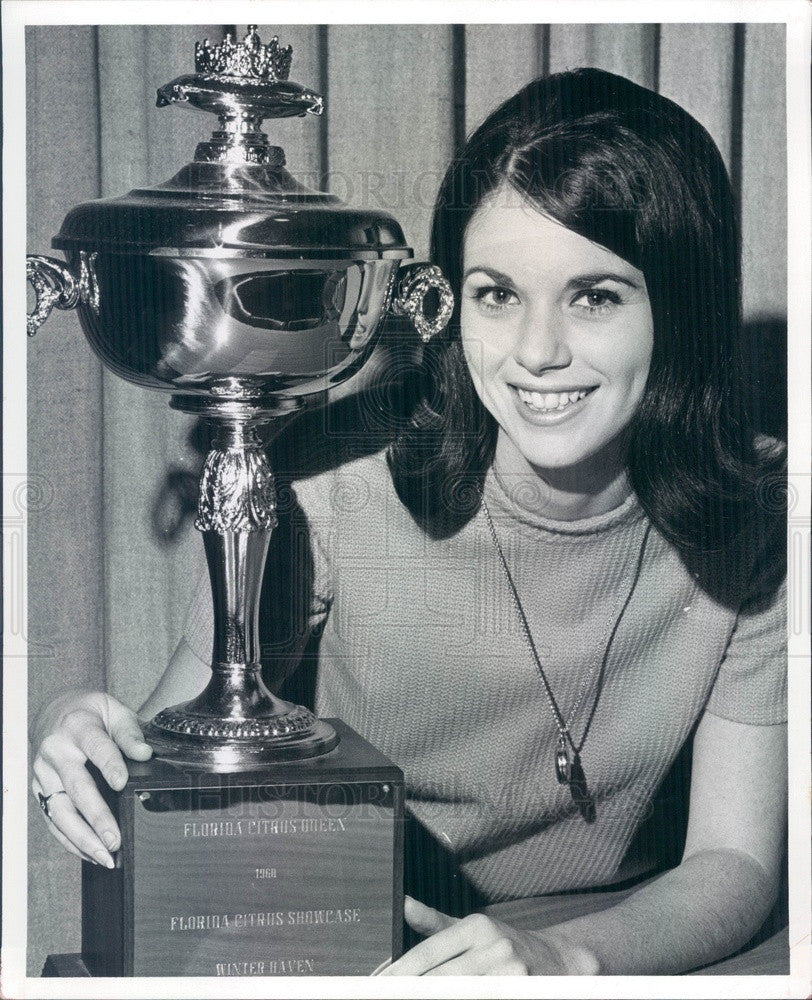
[345,486]
[330,480]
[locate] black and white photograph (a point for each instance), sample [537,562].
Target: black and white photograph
[406,490]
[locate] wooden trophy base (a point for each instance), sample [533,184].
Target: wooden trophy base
[292,869]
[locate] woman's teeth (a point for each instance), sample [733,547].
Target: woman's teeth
[545,401]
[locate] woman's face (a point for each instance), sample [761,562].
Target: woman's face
[557,333]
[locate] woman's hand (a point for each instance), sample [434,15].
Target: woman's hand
[89,727]
[478,945]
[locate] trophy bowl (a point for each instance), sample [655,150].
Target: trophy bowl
[233,326]
[246,296]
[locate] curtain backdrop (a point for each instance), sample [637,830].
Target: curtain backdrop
[111,561]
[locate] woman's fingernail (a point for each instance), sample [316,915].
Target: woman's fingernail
[109,839]
[104,859]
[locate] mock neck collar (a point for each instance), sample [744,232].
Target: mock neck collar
[524,500]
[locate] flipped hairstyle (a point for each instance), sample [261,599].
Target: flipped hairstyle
[630,170]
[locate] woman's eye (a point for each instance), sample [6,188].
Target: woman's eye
[494,297]
[597,299]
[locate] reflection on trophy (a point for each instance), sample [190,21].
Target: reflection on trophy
[246,296]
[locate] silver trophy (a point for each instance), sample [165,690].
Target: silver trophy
[247,296]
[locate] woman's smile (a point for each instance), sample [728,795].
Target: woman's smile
[550,404]
[557,331]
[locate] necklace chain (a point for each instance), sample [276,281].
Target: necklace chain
[563,725]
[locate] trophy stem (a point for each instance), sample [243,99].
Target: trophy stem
[236,721]
[236,561]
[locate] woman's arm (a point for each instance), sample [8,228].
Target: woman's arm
[697,913]
[720,894]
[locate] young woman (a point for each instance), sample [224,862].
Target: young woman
[562,575]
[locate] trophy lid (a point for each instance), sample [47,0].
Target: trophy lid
[236,197]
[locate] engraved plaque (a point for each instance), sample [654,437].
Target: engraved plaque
[294,870]
[290,880]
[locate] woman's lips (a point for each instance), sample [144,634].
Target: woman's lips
[550,407]
[550,400]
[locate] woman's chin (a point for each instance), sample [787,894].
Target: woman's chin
[573,463]
[530,454]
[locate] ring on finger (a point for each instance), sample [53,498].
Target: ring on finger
[44,800]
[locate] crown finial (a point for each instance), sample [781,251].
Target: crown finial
[248,58]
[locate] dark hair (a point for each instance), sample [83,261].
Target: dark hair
[630,170]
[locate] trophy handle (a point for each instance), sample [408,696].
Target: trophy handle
[413,284]
[55,284]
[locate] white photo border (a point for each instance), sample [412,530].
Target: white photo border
[16,14]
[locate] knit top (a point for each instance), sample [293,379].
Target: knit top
[421,651]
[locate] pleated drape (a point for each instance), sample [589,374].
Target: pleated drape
[111,559]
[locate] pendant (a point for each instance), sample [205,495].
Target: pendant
[563,766]
[580,792]
[570,771]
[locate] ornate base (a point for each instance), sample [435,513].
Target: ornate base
[237,723]
[182,720]
[237,746]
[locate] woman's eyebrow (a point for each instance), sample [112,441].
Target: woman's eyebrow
[493,274]
[577,282]
[587,280]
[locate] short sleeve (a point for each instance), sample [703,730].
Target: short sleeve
[751,685]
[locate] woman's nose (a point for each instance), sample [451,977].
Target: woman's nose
[541,341]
